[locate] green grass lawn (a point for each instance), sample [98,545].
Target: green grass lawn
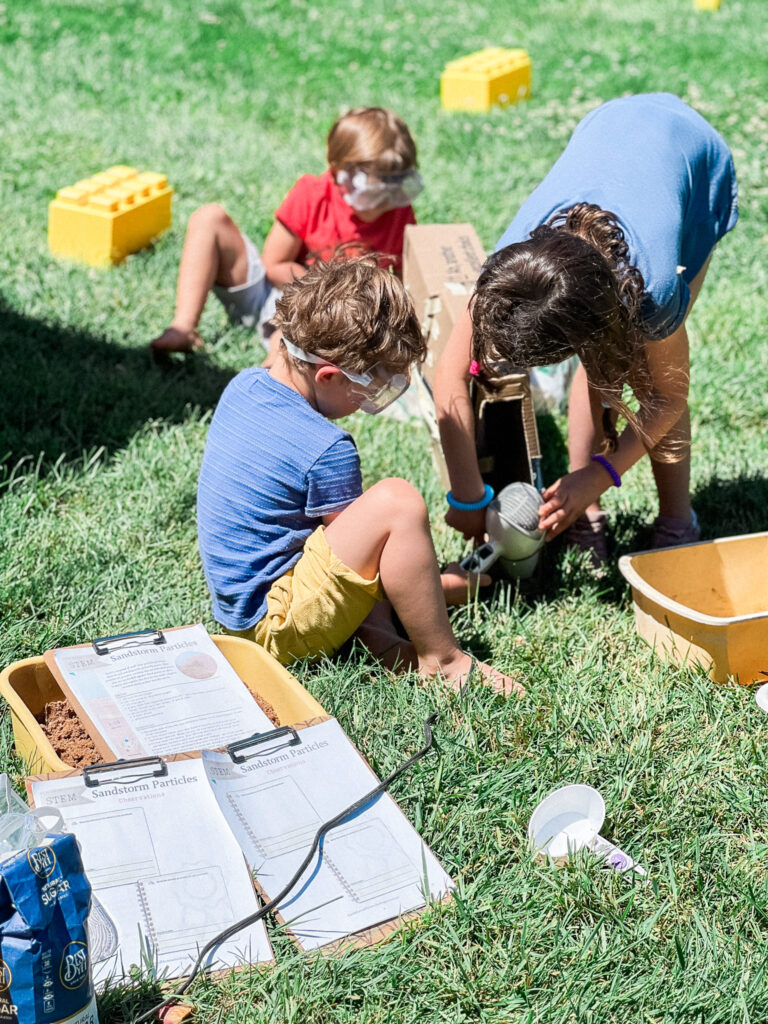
[100,449]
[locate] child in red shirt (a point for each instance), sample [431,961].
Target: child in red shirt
[363,201]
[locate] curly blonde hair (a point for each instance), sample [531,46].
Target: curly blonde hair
[352,313]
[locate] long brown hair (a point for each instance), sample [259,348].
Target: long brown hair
[568,289]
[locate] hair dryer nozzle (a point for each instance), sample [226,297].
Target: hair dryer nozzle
[512,523]
[515,525]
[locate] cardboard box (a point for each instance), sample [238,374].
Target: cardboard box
[506,434]
[441,263]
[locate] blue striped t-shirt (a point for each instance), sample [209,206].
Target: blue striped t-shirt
[273,466]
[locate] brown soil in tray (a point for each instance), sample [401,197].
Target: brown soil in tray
[268,710]
[75,747]
[67,735]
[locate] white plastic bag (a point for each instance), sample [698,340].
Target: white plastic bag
[550,385]
[20,827]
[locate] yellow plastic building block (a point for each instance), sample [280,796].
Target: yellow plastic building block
[481,79]
[707,5]
[102,219]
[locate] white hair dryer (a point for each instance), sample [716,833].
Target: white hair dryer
[514,537]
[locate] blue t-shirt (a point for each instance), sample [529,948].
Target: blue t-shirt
[669,179]
[273,466]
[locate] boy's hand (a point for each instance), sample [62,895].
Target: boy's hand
[459,586]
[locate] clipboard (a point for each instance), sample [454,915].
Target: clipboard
[289,738]
[265,745]
[166,872]
[128,737]
[101,645]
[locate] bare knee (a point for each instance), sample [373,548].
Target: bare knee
[210,219]
[398,500]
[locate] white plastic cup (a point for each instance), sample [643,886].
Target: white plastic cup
[570,819]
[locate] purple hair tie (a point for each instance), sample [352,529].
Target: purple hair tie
[475,369]
[611,470]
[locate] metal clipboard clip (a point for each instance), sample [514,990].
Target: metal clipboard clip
[259,738]
[141,638]
[139,767]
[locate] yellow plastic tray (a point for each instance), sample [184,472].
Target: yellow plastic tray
[29,685]
[705,603]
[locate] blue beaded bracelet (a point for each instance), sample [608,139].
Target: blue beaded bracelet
[608,468]
[472,506]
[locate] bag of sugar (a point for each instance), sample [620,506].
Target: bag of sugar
[45,967]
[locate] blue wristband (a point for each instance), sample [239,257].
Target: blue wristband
[610,470]
[472,506]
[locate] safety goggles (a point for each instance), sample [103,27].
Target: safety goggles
[363,191]
[374,390]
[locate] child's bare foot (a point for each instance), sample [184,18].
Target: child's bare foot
[496,680]
[460,586]
[465,670]
[173,339]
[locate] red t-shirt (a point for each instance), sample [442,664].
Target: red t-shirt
[315,211]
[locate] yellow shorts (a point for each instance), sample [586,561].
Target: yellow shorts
[315,607]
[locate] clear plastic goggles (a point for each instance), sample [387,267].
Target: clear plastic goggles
[374,390]
[363,191]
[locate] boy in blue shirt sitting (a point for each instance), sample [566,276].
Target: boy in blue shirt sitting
[296,555]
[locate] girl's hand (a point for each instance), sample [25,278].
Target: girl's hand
[470,524]
[568,497]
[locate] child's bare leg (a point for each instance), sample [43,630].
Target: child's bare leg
[378,632]
[214,253]
[584,428]
[673,479]
[386,530]
[379,635]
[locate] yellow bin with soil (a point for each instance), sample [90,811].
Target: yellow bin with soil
[705,603]
[29,685]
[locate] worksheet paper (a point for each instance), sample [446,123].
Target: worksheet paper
[372,869]
[162,699]
[166,871]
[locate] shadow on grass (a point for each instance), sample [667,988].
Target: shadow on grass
[727,508]
[64,391]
